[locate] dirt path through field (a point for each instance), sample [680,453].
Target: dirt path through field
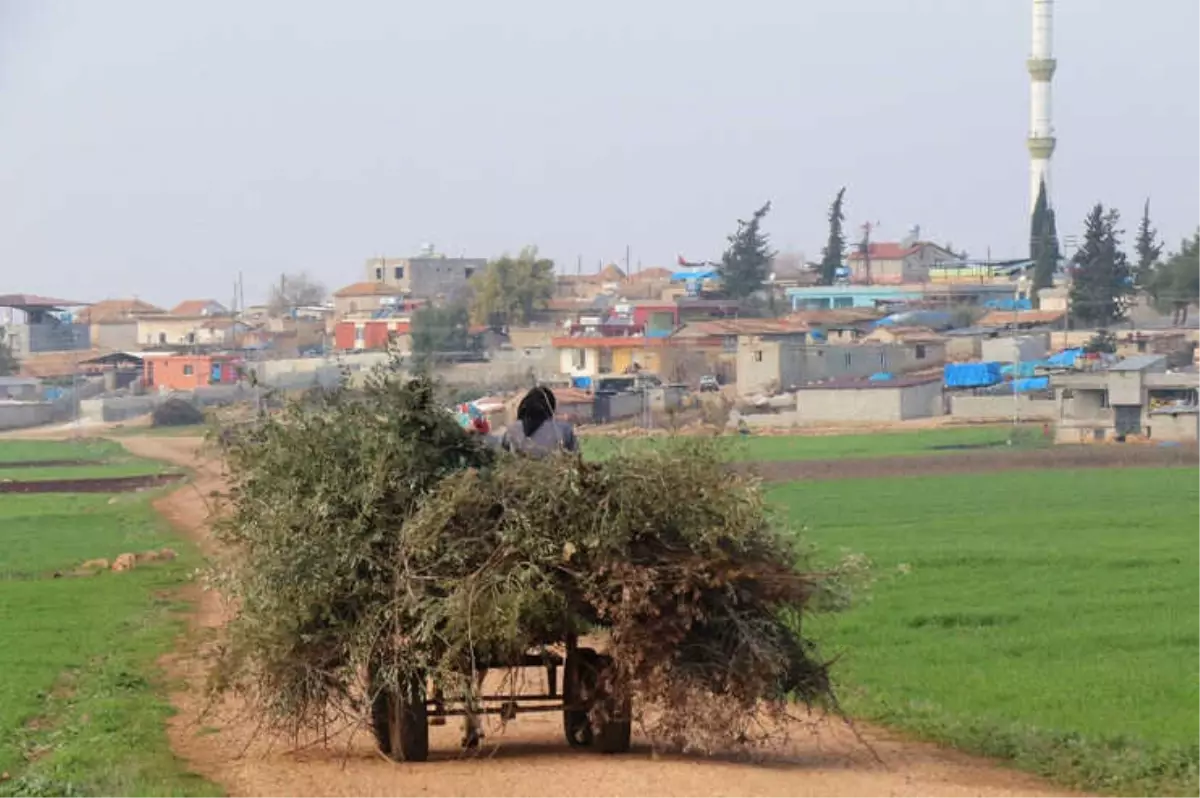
[530,756]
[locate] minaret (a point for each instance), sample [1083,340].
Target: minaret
[1041,66]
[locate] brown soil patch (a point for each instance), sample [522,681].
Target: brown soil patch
[95,485]
[976,462]
[529,757]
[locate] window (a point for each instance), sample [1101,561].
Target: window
[162,338]
[757,355]
[191,338]
[468,272]
[920,351]
[188,370]
[729,343]
[848,360]
[1104,398]
[398,272]
[578,358]
[843,302]
[379,273]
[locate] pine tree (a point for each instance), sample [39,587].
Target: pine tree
[746,263]
[1102,287]
[835,247]
[1148,250]
[1174,283]
[1043,241]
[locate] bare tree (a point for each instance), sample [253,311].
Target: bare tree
[294,291]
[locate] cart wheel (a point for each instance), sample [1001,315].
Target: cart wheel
[617,732]
[578,684]
[581,688]
[400,722]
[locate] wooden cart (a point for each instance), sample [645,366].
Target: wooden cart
[401,717]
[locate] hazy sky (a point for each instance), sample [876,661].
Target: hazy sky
[157,148]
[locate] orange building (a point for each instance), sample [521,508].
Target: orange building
[185,372]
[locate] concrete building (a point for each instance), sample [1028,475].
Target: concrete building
[366,299]
[164,372]
[1011,349]
[426,276]
[858,400]
[896,263]
[1136,397]
[767,364]
[35,325]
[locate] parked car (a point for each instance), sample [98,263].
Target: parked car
[709,383]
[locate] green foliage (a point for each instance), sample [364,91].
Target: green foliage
[9,364]
[1148,249]
[1057,631]
[1175,283]
[747,261]
[440,331]
[1102,287]
[1043,241]
[1103,342]
[370,535]
[835,245]
[509,290]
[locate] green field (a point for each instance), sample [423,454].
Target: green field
[82,702]
[765,448]
[16,451]
[1049,618]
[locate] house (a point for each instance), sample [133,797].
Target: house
[191,308]
[119,369]
[591,355]
[200,329]
[427,276]
[36,325]
[896,263]
[171,372]
[1136,397]
[350,335]
[781,363]
[365,298]
[866,400]
[113,322]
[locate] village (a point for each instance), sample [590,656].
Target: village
[910,332]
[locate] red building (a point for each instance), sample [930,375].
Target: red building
[368,333]
[186,372]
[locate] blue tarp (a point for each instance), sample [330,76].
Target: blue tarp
[1008,304]
[707,274]
[581,382]
[934,319]
[881,376]
[1064,359]
[1027,368]
[971,375]
[1031,384]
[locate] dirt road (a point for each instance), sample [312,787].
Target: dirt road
[530,756]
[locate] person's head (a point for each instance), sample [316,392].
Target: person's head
[536,408]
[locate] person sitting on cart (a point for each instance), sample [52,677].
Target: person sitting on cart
[537,432]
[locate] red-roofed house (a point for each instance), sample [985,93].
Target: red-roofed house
[893,263]
[199,307]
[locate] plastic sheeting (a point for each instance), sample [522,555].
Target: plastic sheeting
[1031,384]
[971,375]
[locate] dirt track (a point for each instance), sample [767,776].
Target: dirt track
[530,757]
[90,485]
[980,461]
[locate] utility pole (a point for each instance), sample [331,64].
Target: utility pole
[627,260]
[865,248]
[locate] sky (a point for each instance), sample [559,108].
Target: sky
[158,149]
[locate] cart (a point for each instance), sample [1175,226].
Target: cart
[401,717]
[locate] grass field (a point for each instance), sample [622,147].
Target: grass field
[15,451]
[765,448]
[82,703]
[1048,618]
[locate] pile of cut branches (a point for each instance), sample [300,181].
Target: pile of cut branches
[373,536]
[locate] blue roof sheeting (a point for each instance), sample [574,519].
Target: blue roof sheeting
[971,375]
